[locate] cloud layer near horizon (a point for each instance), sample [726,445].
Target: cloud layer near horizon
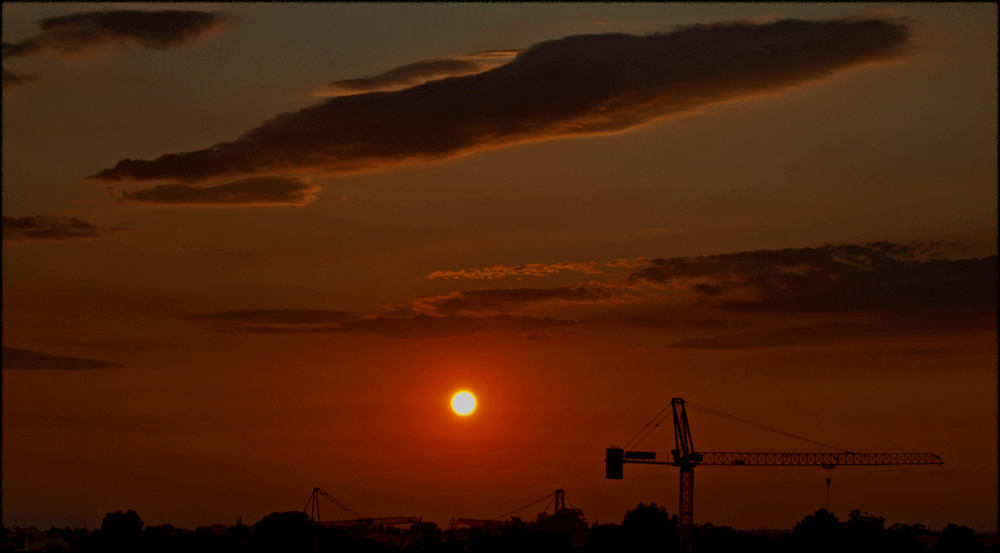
[15,359]
[584,84]
[800,296]
[51,227]
[81,34]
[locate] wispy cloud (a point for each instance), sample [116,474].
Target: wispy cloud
[86,33]
[83,34]
[253,191]
[576,85]
[629,263]
[52,227]
[420,72]
[15,359]
[526,270]
[512,299]
[12,81]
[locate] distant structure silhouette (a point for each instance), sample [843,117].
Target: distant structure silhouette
[313,507]
[685,457]
[566,520]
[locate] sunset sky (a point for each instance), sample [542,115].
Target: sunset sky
[250,249]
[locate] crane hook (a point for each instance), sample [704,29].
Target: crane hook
[829,473]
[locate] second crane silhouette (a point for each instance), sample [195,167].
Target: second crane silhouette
[312,506]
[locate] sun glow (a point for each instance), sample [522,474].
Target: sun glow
[463,403]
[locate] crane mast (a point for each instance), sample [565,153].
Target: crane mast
[685,458]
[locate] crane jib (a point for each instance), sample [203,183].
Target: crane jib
[775,459]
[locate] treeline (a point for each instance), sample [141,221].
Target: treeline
[650,528]
[645,528]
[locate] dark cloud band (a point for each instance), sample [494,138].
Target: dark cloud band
[50,227]
[15,359]
[84,33]
[249,191]
[12,81]
[576,85]
[876,277]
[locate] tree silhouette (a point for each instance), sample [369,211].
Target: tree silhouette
[820,532]
[649,528]
[121,532]
[957,539]
[291,532]
[865,533]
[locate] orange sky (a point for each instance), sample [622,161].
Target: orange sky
[210,308]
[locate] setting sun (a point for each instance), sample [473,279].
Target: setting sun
[463,403]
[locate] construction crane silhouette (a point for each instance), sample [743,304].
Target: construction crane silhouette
[685,457]
[312,506]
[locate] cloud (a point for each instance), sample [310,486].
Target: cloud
[629,263]
[790,297]
[528,269]
[826,333]
[249,191]
[577,85]
[876,290]
[12,81]
[15,359]
[86,33]
[420,72]
[877,277]
[502,300]
[308,321]
[51,227]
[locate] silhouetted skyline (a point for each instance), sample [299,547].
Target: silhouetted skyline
[647,527]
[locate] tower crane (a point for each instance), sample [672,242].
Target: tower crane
[685,457]
[312,506]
